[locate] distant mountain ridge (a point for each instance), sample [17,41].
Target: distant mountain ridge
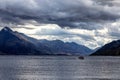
[110,49]
[58,46]
[15,43]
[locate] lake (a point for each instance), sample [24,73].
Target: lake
[59,68]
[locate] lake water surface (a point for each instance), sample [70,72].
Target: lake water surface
[59,68]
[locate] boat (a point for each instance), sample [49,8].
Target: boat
[81,57]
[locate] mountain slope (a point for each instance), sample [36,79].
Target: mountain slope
[61,47]
[16,44]
[110,49]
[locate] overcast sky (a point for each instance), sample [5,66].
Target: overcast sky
[88,22]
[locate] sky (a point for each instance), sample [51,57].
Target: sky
[92,23]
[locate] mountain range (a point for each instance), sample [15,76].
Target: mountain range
[15,43]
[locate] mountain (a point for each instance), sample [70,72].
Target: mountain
[94,50]
[15,43]
[110,49]
[70,48]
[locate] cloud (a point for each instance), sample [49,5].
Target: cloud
[114,29]
[67,13]
[55,30]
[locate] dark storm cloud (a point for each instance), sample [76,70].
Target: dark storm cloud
[67,13]
[108,2]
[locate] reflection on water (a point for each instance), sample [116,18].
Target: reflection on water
[59,68]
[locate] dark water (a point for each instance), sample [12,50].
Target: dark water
[59,68]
